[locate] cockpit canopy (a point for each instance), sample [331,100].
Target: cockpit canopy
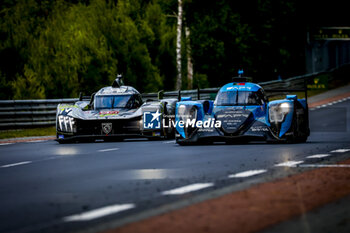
[129,101]
[241,98]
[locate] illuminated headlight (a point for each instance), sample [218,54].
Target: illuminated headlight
[66,124]
[285,107]
[278,112]
[187,112]
[141,124]
[181,110]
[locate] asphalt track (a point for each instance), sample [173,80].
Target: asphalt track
[48,187]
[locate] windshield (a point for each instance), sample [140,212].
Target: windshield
[230,98]
[116,101]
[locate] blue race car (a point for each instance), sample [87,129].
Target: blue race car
[240,113]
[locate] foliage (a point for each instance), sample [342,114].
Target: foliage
[228,35]
[56,49]
[76,47]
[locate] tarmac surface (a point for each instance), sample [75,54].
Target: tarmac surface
[141,185]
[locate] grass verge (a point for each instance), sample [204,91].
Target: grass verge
[18,133]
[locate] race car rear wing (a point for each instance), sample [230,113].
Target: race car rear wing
[292,89]
[198,92]
[206,91]
[161,95]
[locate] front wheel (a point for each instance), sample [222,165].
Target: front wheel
[296,135]
[62,142]
[302,139]
[182,143]
[292,137]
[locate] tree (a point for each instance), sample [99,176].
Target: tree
[82,47]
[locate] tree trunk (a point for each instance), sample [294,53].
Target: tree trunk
[189,60]
[178,46]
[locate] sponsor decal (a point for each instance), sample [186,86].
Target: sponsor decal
[238,88]
[66,108]
[108,113]
[63,106]
[259,129]
[151,120]
[106,127]
[232,115]
[156,134]
[65,111]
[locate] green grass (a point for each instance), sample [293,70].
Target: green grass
[18,133]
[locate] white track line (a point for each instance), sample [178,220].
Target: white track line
[98,213]
[187,188]
[37,141]
[318,156]
[247,173]
[330,103]
[16,164]
[4,144]
[106,150]
[325,165]
[340,151]
[170,142]
[289,164]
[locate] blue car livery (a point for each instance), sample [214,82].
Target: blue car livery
[241,112]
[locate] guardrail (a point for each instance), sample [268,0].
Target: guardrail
[35,113]
[29,113]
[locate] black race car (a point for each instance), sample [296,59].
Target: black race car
[114,113]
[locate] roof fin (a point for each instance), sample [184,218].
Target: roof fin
[118,82]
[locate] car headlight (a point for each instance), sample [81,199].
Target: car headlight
[181,110]
[66,124]
[285,107]
[186,112]
[279,111]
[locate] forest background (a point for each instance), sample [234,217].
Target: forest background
[56,49]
